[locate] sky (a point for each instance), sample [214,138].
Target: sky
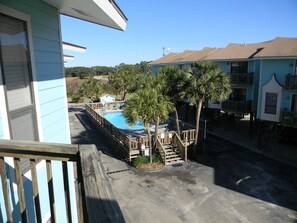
[178,25]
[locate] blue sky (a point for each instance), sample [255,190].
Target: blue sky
[179,25]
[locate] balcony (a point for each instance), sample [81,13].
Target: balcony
[289,118]
[291,82]
[237,106]
[241,78]
[96,202]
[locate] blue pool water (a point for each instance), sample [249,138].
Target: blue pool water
[119,121]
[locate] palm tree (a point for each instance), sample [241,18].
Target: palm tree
[163,108]
[206,82]
[147,106]
[90,88]
[171,82]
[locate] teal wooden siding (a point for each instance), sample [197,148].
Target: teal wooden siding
[224,65]
[255,87]
[281,68]
[52,99]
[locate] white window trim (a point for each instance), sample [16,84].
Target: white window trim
[25,17]
[272,86]
[3,110]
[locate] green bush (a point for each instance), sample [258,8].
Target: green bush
[141,160]
[156,159]
[75,99]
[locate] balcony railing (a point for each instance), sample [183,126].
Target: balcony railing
[96,202]
[289,118]
[291,82]
[244,78]
[237,106]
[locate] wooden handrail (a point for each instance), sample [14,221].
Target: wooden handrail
[162,150]
[37,150]
[96,200]
[182,147]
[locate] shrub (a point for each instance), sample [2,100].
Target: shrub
[140,160]
[156,159]
[75,99]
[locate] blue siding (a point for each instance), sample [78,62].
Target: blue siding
[52,98]
[251,66]
[279,67]
[255,86]
[224,65]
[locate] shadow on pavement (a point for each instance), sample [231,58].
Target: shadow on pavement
[251,173]
[91,135]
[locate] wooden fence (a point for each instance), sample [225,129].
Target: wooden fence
[128,146]
[131,146]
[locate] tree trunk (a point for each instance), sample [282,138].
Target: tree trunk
[177,121]
[124,95]
[199,106]
[156,130]
[149,141]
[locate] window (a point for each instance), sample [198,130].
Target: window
[16,72]
[295,70]
[270,103]
[239,67]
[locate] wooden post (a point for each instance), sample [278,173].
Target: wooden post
[35,190]
[5,190]
[19,180]
[66,191]
[51,190]
[186,150]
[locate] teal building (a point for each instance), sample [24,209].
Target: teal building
[33,100]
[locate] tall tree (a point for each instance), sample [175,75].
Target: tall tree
[147,106]
[171,81]
[90,88]
[206,81]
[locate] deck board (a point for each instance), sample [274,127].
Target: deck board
[101,203]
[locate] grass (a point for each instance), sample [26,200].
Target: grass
[139,161]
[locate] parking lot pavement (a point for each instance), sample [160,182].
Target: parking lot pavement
[188,193]
[233,185]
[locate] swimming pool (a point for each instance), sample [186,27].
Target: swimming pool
[119,121]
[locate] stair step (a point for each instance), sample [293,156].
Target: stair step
[172,156]
[172,153]
[174,162]
[173,159]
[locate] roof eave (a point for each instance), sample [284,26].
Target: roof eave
[102,12]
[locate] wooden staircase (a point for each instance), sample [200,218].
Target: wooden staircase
[173,155]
